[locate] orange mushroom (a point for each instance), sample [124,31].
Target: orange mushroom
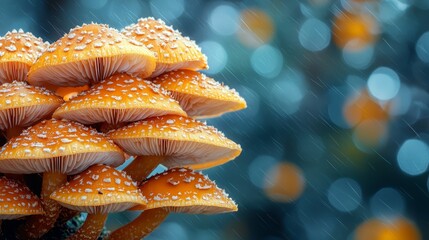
[57,148]
[98,191]
[69,92]
[119,98]
[178,190]
[174,141]
[18,52]
[89,54]
[200,96]
[16,200]
[171,49]
[22,105]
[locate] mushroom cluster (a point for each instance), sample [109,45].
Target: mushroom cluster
[79,107]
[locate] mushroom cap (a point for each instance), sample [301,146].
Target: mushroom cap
[185,191]
[99,189]
[58,146]
[172,50]
[89,54]
[16,200]
[22,104]
[199,95]
[182,141]
[18,51]
[69,92]
[120,98]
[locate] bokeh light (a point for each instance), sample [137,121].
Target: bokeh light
[345,194]
[224,19]
[358,59]
[362,107]
[354,30]
[422,47]
[267,61]
[284,182]
[314,35]
[259,169]
[413,157]
[256,28]
[369,134]
[387,203]
[217,57]
[168,10]
[384,83]
[393,229]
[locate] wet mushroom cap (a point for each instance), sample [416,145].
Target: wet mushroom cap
[16,200]
[58,146]
[120,98]
[99,189]
[18,51]
[172,50]
[182,140]
[23,105]
[89,54]
[185,191]
[199,95]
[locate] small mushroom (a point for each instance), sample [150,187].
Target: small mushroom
[18,52]
[99,190]
[200,96]
[120,98]
[56,148]
[16,200]
[177,190]
[89,54]
[172,50]
[22,105]
[173,141]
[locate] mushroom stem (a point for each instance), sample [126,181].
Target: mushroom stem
[142,226]
[92,227]
[142,166]
[65,215]
[37,225]
[13,132]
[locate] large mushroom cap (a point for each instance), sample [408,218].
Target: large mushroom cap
[172,50]
[18,52]
[16,200]
[58,146]
[89,54]
[199,95]
[99,189]
[120,98]
[22,104]
[185,191]
[182,140]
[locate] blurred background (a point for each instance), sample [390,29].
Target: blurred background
[335,137]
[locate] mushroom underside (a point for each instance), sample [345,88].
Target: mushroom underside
[162,67]
[101,209]
[92,70]
[203,106]
[10,71]
[197,208]
[178,153]
[26,115]
[62,164]
[93,115]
